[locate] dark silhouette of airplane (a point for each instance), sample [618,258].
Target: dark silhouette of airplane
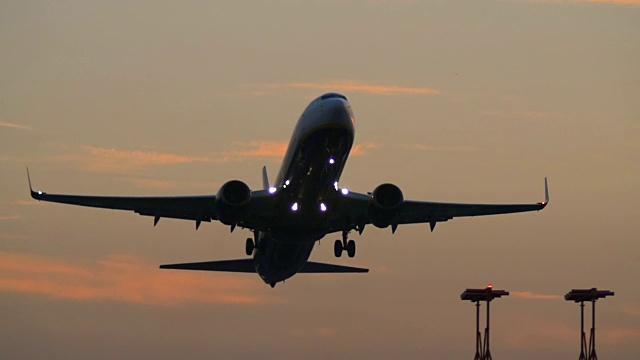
[303,205]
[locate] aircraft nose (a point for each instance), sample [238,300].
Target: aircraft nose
[333,96]
[339,111]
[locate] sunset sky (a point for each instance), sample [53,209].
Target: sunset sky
[458,101]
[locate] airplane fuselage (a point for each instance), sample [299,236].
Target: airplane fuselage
[306,184]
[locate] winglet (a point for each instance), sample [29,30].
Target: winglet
[546,193]
[34,194]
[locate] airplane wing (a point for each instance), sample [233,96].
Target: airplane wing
[423,212]
[412,212]
[197,208]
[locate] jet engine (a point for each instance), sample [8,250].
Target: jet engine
[231,200]
[387,201]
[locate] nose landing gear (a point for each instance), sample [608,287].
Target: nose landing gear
[345,244]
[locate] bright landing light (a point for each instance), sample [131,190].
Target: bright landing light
[294,207]
[332,161]
[344,191]
[272,190]
[323,207]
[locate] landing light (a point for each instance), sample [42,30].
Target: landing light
[332,161]
[335,185]
[294,207]
[323,207]
[272,190]
[344,191]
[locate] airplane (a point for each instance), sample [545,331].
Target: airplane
[304,204]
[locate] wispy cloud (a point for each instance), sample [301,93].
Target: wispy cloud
[421,147]
[528,295]
[529,114]
[123,278]
[12,159]
[620,336]
[13,237]
[9,217]
[274,150]
[152,183]
[533,331]
[27,203]
[110,160]
[127,162]
[346,87]
[616,2]
[315,333]
[363,149]
[605,2]
[254,150]
[15,126]
[632,309]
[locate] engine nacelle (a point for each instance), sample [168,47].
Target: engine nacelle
[387,201]
[231,201]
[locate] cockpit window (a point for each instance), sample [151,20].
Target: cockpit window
[332,95]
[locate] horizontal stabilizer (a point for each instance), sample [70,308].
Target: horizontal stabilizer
[318,268]
[242,266]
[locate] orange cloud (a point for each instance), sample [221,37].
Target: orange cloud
[533,331]
[275,150]
[15,126]
[528,295]
[421,147]
[531,114]
[112,160]
[27,202]
[152,183]
[354,86]
[103,159]
[361,149]
[9,218]
[349,86]
[13,237]
[620,336]
[616,2]
[631,309]
[610,2]
[256,149]
[124,278]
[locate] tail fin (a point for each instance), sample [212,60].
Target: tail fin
[265,178]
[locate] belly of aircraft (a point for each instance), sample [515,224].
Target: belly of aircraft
[278,259]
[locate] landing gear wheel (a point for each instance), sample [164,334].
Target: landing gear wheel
[249,247]
[351,248]
[338,248]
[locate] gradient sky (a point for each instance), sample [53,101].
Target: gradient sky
[462,101]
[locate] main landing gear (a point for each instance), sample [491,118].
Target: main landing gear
[340,245]
[252,244]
